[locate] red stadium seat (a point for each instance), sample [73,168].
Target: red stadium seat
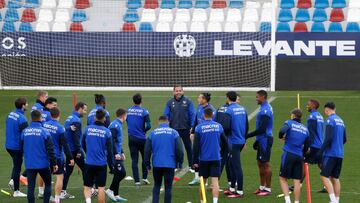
[129,27]
[219,4]
[82,4]
[304,4]
[2,3]
[151,4]
[300,27]
[337,15]
[76,27]
[28,15]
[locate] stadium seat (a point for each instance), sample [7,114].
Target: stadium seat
[337,15]
[304,4]
[320,15]
[131,16]
[197,27]
[167,4]
[214,27]
[76,27]
[8,27]
[352,27]
[287,4]
[165,15]
[80,16]
[318,27]
[45,15]
[216,15]
[182,15]
[248,27]
[42,27]
[25,27]
[185,4]
[353,15]
[2,4]
[31,4]
[128,27]
[62,15]
[321,4]
[265,27]
[300,27]
[148,15]
[14,4]
[219,4]
[59,27]
[251,15]
[202,4]
[180,27]
[236,4]
[233,15]
[266,15]
[163,27]
[335,27]
[285,15]
[11,15]
[48,4]
[151,4]
[252,4]
[302,15]
[231,27]
[82,4]
[283,27]
[28,15]
[338,4]
[354,4]
[268,5]
[199,15]
[65,4]
[134,4]
[146,27]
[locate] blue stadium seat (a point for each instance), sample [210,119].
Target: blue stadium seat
[320,15]
[25,27]
[8,27]
[321,4]
[335,27]
[185,4]
[318,27]
[135,4]
[131,16]
[236,4]
[287,4]
[283,27]
[146,27]
[265,27]
[167,4]
[14,4]
[31,4]
[285,15]
[79,16]
[302,15]
[11,15]
[338,4]
[202,4]
[352,27]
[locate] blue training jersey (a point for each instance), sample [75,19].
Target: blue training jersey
[163,142]
[296,136]
[16,122]
[137,117]
[200,113]
[265,110]
[37,106]
[73,137]
[91,116]
[338,130]
[116,126]
[239,123]
[56,130]
[45,115]
[318,132]
[209,133]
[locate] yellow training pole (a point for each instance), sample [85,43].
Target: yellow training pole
[202,189]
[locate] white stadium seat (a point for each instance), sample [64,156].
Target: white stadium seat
[199,15]
[62,15]
[233,15]
[216,15]
[231,27]
[59,27]
[180,27]
[182,15]
[42,27]
[148,15]
[214,27]
[163,27]
[48,4]
[65,4]
[165,15]
[45,15]
[248,27]
[197,27]
[251,15]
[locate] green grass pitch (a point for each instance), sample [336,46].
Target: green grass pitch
[347,107]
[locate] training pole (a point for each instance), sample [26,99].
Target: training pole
[202,189]
[74,99]
[306,167]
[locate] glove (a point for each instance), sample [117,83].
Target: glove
[256,145]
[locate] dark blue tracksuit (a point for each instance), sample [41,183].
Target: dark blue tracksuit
[39,155]
[16,122]
[91,116]
[138,121]
[181,114]
[166,150]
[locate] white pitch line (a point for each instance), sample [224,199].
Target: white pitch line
[183,172]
